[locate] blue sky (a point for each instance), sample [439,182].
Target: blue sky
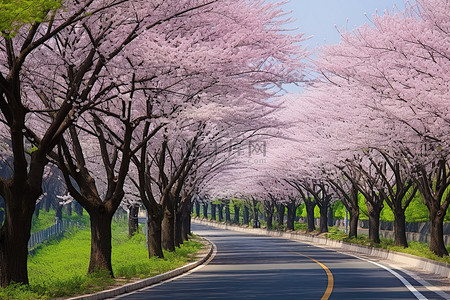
[318,17]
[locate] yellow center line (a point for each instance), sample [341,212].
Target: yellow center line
[330,285]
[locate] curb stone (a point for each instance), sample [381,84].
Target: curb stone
[425,264]
[130,287]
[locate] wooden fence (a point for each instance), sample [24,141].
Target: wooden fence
[53,231]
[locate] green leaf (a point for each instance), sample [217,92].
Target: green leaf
[16,13]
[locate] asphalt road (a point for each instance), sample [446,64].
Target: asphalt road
[256,267]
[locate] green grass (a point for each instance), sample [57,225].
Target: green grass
[300,226]
[336,234]
[59,268]
[47,219]
[415,248]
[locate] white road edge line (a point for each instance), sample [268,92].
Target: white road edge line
[405,282]
[425,283]
[171,279]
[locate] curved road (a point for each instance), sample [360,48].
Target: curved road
[256,267]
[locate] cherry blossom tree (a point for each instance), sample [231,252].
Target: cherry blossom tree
[120,104]
[348,193]
[398,68]
[384,80]
[244,77]
[81,41]
[398,190]
[21,64]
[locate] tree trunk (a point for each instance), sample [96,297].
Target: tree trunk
[189,224]
[374,221]
[330,216]
[47,204]
[256,223]
[186,219]
[2,210]
[323,218]
[58,211]
[400,229]
[69,209]
[154,230]
[269,216]
[133,221]
[213,211]
[220,212]
[186,227]
[246,216]
[350,202]
[437,245]
[14,236]
[353,228]
[100,259]
[236,214]
[374,227]
[205,211]
[179,227]
[227,213]
[433,187]
[280,215]
[310,215]
[168,230]
[197,208]
[291,207]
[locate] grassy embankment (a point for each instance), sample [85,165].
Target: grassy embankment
[58,268]
[414,248]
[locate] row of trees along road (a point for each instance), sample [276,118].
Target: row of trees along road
[374,123]
[136,97]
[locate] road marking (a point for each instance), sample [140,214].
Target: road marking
[330,284]
[425,283]
[405,282]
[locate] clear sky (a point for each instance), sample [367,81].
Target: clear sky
[318,17]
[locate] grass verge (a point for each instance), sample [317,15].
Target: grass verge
[59,268]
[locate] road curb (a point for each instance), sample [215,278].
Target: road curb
[130,287]
[425,264]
